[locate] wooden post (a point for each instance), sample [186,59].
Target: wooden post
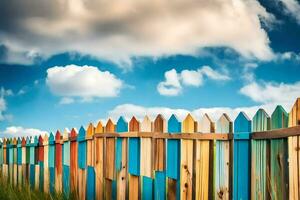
[46,165]
[134,160]
[160,126]
[90,190]
[32,163]
[186,177]
[110,174]
[279,157]
[5,160]
[147,163]
[19,161]
[242,161]
[28,144]
[260,156]
[121,160]
[173,159]
[41,163]
[293,152]
[81,139]
[223,158]
[23,161]
[58,162]
[204,161]
[99,162]
[51,162]
[73,162]
[36,164]
[66,163]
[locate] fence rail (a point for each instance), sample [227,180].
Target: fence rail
[244,159]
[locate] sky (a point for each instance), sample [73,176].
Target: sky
[66,63]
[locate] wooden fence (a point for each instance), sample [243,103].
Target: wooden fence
[247,159]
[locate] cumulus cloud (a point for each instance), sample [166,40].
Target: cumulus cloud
[269,92]
[3,104]
[131,28]
[19,131]
[129,110]
[292,7]
[84,82]
[172,85]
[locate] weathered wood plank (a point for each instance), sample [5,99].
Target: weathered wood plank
[279,157]
[51,163]
[41,163]
[293,153]
[186,176]
[159,159]
[46,165]
[90,143]
[99,162]
[203,161]
[58,162]
[19,162]
[121,160]
[81,139]
[173,159]
[134,161]
[241,174]
[74,162]
[66,163]
[259,166]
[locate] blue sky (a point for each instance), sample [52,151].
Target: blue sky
[63,65]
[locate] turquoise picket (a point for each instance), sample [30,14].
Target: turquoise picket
[147,188]
[122,126]
[32,162]
[27,159]
[10,151]
[66,164]
[51,162]
[241,157]
[159,188]
[173,153]
[259,165]
[134,148]
[19,160]
[81,139]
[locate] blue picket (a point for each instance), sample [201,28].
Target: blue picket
[241,173]
[51,162]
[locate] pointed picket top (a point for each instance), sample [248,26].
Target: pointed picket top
[261,121]
[188,124]
[99,128]
[206,125]
[242,123]
[36,140]
[73,133]
[134,124]
[81,134]
[90,131]
[160,124]
[45,139]
[174,125]
[51,138]
[23,141]
[14,141]
[294,115]
[65,135]
[279,118]
[41,140]
[57,136]
[146,125]
[19,141]
[122,125]
[110,127]
[4,142]
[28,141]
[224,124]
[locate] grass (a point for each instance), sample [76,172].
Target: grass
[10,192]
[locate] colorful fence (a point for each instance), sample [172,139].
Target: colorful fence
[164,159]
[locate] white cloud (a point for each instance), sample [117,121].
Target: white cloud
[133,28]
[292,7]
[269,92]
[129,110]
[3,104]
[66,100]
[172,85]
[19,131]
[84,82]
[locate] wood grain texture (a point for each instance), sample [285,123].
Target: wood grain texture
[293,152]
[99,162]
[51,156]
[46,165]
[173,159]
[73,162]
[90,161]
[279,157]
[146,149]
[241,174]
[58,162]
[202,161]
[66,163]
[223,154]
[259,166]
[186,177]
[82,172]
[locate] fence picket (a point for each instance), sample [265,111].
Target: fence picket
[66,163]
[73,162]
[99,162]
[46,165]
[90,145]
[51,160]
